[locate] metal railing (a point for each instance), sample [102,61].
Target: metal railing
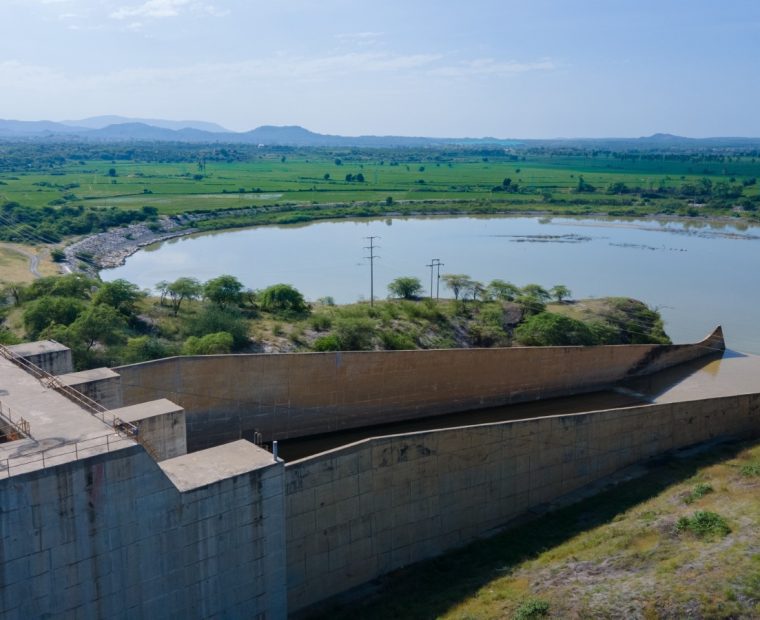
[16,428]
[84,401]
[124,430]
[51,456]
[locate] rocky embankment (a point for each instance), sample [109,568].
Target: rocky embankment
[111,248]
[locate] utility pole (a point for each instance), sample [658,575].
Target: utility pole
[435,262]
[438,265]
[371,247]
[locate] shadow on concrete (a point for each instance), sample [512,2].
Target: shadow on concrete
[430,589]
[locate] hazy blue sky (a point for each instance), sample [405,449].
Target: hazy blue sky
[534,68]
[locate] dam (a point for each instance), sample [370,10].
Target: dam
[148,490]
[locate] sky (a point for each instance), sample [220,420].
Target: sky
[453,68]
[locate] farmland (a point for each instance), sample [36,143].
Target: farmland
[213,179]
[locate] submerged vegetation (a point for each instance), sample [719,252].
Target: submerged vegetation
[112,323]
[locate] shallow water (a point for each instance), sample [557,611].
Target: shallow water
[698,275]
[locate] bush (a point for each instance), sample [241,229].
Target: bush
[705,525]
[327,343]
[698,492]
[751,470]
[549,329]
[320,322]
[213,320]
[282,298]
[144,348]
[354,334]
[48,310]
[210,344]
[532,608]
[393,341]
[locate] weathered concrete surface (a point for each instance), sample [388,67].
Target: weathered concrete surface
[358,512]
[112,537]
[102,385]
[160,426]
[53,357]
[60,430]
[293,395]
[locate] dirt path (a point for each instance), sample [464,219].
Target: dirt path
[34,259]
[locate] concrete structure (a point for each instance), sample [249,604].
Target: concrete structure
[160,425]
[102,385]
[51,356]
[226,397]
[92,525]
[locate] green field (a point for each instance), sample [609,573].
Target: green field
[266,180]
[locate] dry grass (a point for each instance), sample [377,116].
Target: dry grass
[616,555]
[14,263]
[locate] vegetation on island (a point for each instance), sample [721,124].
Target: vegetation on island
[677,542]
[113,323]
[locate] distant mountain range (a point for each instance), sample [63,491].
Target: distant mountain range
[124,129]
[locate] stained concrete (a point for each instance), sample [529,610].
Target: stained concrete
[102,385]
[53,357]
[283,396]
[209,466]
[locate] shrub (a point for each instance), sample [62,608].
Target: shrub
[282,298]
[210,344]
[327,343]
[532,608]
[144,348]
[750,470]
[213,319]
[320,322]
[354,334]
[549,329]
[704,524]
[698,492]
[393,341]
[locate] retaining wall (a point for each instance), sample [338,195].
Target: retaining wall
[111,537]
[293,395]
[360,511]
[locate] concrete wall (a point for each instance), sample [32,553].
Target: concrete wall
[360,511]
[292,395]
[102,385]
[112,537]
[53,357]
[160,426]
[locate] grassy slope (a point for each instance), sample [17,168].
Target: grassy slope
[618,554]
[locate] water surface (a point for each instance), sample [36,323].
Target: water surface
[697,275]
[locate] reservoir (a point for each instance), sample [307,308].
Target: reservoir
[697,274]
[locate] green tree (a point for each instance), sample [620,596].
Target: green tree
[405,287]
[162,288]
[504,291]
[99,323]
[457,282]
[48,310]
[549,329]
[560,292]
[537,291]
[223,291]
[530,305]
[282,298]
[144,348]
[120,295]
[181,289]
[213,319]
